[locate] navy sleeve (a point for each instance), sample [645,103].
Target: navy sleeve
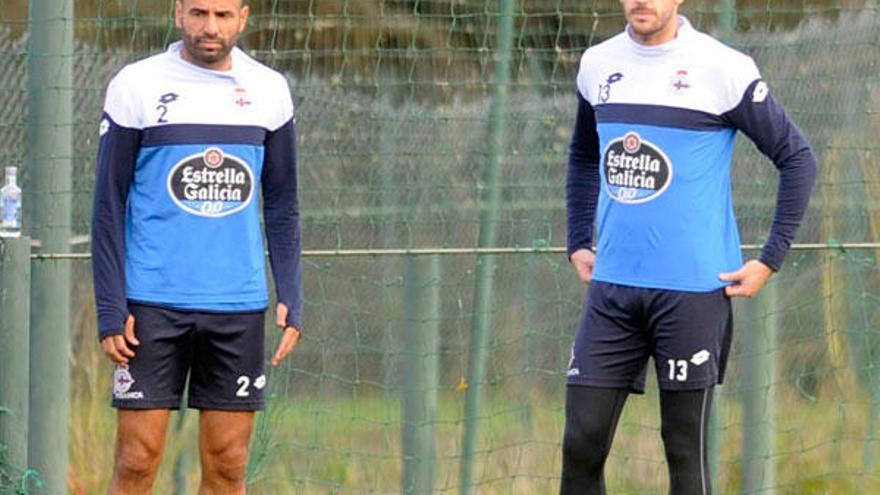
[281,215]
[760,117]
[582,183]
[117,152]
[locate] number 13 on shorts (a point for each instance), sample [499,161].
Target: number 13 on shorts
[678,370]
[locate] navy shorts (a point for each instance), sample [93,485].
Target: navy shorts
[687,333]
[221,352]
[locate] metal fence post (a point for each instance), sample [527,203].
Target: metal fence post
[727,19]
[726,28]
[490,199]
[15,280]
[420,373]
[48,189]
[759,405]
[716,437]
[181,463]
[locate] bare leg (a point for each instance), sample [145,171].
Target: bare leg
[140,440]
[224,437]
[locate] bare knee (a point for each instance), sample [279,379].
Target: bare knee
[223,444]
[140,440]
[136,460]
[225,464]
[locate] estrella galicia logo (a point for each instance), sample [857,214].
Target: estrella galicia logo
[635,170]
[211,183]
[605,89]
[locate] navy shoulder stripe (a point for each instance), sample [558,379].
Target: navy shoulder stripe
[202,133]
[658,115]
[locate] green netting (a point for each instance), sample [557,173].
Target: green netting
[394,100]
[14,479]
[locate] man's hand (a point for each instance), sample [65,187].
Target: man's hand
[116,347]
[289,338]
[583,261]
[748,280]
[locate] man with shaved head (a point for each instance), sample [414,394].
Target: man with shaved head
[189,140]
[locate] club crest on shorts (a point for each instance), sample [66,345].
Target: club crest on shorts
[635,170]
[572,370]
[122,383]
[211,183]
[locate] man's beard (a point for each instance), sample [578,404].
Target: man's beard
[205,56]
[660,22]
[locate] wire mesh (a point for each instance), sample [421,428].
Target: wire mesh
[393,99]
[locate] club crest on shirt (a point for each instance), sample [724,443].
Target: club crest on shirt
[241,98]
[211,183]
[635,170]
[680,82]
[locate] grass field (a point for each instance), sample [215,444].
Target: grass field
[352,444]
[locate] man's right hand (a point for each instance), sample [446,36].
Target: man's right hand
[116,347]
[583,261]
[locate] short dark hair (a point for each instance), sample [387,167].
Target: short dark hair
[243,2]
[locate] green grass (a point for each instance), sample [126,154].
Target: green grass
[352,445]
[327,430]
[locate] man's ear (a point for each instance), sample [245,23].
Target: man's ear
[178,14]
[245,12]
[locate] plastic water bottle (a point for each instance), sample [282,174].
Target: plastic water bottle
[10,206]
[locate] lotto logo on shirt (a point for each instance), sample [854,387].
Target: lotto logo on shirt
[211,183]
[635,170]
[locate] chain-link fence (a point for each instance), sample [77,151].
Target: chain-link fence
[395,114]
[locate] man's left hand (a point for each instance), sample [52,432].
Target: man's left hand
[289,338]
[748,280]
